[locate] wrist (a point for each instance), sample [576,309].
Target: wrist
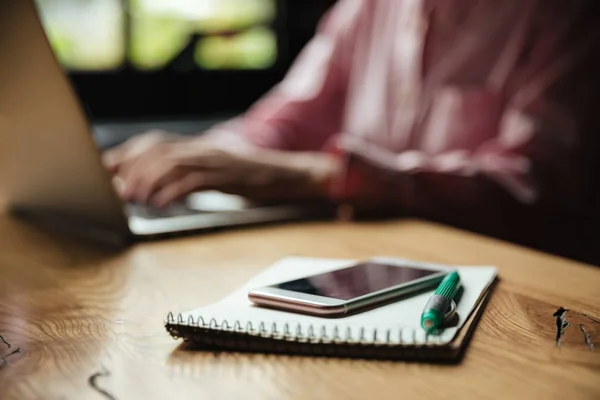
[318,170]
[303,174]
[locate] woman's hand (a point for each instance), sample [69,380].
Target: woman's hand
[159,168]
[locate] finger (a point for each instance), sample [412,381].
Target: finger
[120,157]
[160,165]
[133,173]
[113,158]
[191,182]
[118,185]
[156,177]
[128,152]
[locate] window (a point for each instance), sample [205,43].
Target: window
[180,35]
[86,35]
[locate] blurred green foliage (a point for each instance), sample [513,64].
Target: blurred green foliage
[256,48]
[85,34]
[90,34]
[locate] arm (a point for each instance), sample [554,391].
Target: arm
[242,156]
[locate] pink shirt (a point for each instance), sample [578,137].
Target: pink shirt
[437,102]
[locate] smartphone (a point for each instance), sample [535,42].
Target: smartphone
[351,289]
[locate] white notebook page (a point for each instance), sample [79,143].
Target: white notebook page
[398,322]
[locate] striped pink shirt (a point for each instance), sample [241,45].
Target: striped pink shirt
[456,100]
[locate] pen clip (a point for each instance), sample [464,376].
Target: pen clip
[451,312]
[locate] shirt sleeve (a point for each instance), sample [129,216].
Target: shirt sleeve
[535,158]
[305,110]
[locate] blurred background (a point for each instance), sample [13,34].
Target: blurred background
[172,59]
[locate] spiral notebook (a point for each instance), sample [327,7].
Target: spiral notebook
[388,332]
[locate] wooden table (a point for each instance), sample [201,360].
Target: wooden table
[88,323]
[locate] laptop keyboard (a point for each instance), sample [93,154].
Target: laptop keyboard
[147,212]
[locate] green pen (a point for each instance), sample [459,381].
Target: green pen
[442,300]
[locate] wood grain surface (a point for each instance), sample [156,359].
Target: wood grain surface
[82,322]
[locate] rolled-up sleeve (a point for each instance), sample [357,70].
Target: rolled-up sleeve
[305,110]
[535,156]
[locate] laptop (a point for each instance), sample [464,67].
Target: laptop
[50,166]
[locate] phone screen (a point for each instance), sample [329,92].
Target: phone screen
[356,281]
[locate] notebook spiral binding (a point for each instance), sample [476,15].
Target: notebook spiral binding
[296,333]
